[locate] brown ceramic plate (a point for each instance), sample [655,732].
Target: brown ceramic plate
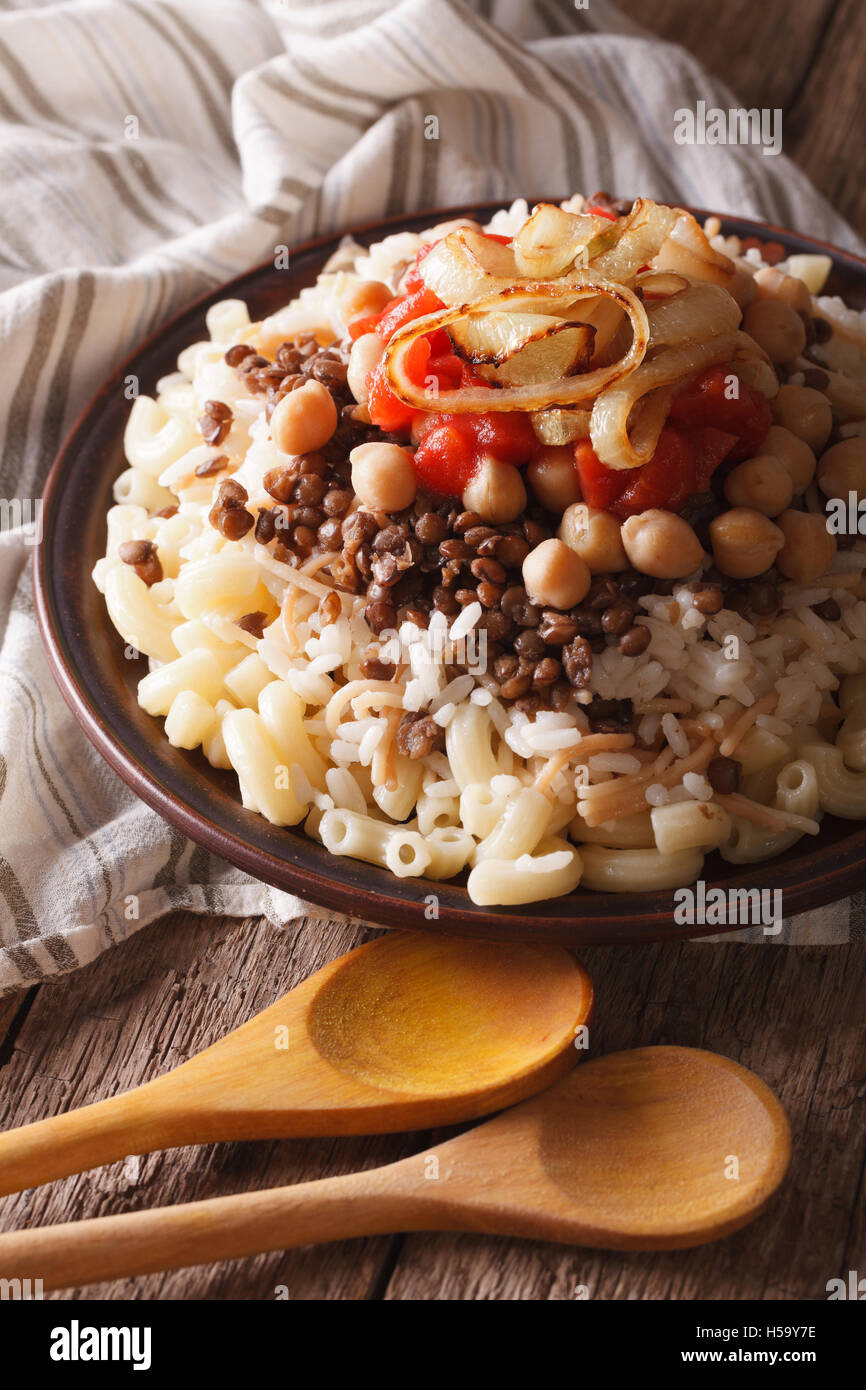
[99,684]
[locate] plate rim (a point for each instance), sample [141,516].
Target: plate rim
[625,927]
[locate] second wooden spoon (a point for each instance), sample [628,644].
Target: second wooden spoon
[655,1149]
[407,1032]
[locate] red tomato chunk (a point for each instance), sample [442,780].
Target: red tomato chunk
[706,424]
[450,445]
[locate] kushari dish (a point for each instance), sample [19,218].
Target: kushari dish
[515,550]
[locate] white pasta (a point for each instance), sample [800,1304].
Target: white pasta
[468,744]
[265,781]
[313,739]
[191,720]
[246,681]
[153,438]
[401,850]
[451,849]
[797,793]
[225,583]
[631,832]
[840,791]
[141,622]
[523,823]
[480,808]
[398,802]
[638,870]
[689,825]
[506,882]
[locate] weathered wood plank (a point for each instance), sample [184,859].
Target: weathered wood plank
[10,1008]
[814,76]
[826,122]
[733,43]
[796,1018]
[792,1015]
[147,1006]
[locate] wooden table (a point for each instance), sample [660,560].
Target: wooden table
[794,1016]
[802,56]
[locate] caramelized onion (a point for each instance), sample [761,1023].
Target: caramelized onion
[550,240]
[466,266]
[609,422]
[687,251]
[695,314]
[554,295]
[638,238]
[558,427]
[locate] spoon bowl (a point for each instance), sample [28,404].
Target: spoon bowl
[406,1032]
[654,1149]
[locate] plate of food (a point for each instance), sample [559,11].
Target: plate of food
[490,569]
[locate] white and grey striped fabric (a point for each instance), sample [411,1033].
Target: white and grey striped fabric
[152,149]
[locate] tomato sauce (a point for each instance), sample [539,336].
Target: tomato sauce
[705,426]
[450,446]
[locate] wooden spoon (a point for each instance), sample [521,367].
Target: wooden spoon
[409,1031]
[654,1149]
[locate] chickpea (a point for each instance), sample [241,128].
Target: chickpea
[809,547]
[762,482]
[775,284]
[554,576]
[361,297]
[304,420]
[495,491]
[365,356]
[595,536]
[793,453]
[553,478]
[661,544]
[742,287]
[805,412]
[842,469]
[745,542]
[383,476]
[776,328]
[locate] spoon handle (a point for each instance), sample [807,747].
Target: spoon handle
[374,1202]
[85,1138]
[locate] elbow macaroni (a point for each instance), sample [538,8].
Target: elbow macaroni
[312,740]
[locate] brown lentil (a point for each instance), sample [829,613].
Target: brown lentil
[617,619]
[238,353]
[254,623]
[546,672]
[829,610]
[577,662]
[330,609]
[280,483]
[763,598]
[556,628]
[492,570]
[708,598]
[419,735]
[380,616]
[143,558]
[215,423]
[723,775]
[430,528]
[210,467]
[266,527]
[816,377]
[635,641]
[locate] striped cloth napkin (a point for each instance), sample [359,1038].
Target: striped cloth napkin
[153,149]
